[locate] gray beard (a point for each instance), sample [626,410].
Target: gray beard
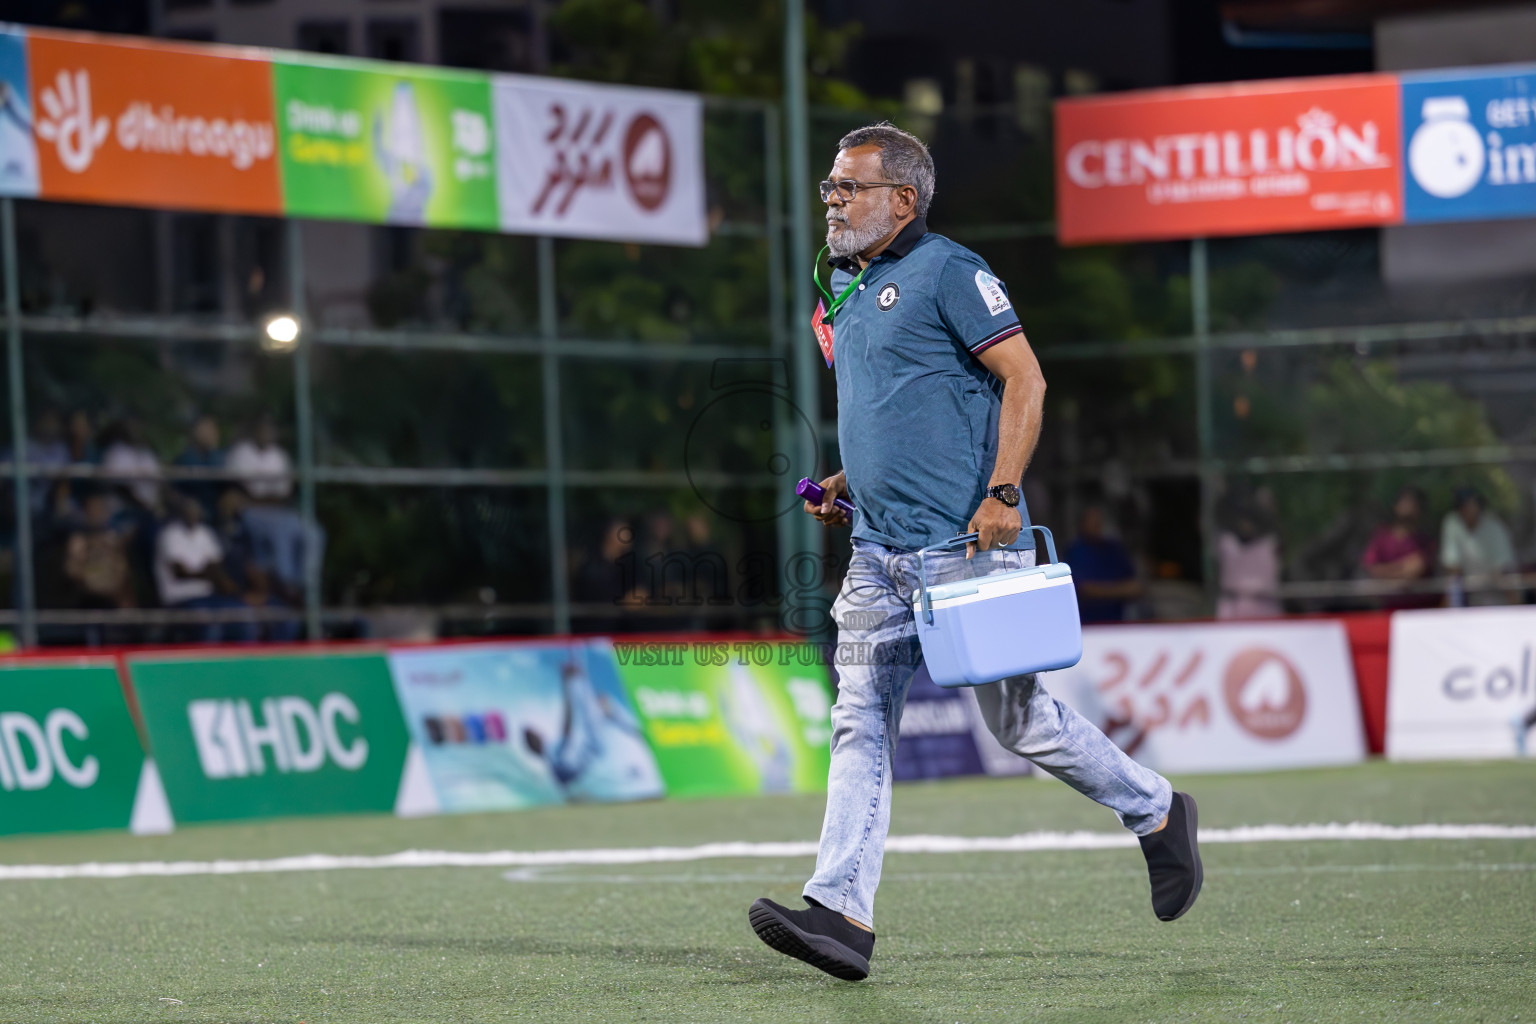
[851,242]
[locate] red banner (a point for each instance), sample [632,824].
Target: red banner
[1251,158]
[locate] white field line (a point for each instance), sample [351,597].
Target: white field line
[1030,842]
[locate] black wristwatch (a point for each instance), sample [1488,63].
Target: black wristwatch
[1008,494]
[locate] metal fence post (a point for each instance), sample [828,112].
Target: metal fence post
[554,449]
[26,605]
[786,527]
[1205,431]
[807,389]
[303,404]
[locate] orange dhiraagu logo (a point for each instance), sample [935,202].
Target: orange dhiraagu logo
[1264,693]
[1242,159]
[153,125]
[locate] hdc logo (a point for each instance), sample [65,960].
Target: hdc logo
[231,740]
[32,753]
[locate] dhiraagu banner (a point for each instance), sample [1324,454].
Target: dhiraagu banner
[386,143]
[732,717]
[70,757]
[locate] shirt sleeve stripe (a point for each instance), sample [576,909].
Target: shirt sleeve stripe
[993,339]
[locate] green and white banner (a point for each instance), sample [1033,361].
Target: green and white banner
[70,757]
[257,736]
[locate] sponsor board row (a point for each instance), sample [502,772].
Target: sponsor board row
[415,731]
[240,130]
[1297,155]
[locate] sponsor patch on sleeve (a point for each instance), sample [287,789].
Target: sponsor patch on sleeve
[992,293]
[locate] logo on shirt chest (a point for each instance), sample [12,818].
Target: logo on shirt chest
[887,297]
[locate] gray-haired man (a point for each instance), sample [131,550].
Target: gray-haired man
[939,405]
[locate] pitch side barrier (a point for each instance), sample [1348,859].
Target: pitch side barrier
[138,739]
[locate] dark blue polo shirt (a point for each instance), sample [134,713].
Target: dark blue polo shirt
[917,412]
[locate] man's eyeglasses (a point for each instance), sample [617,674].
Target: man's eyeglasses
[848,188]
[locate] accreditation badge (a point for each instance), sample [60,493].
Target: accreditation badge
[823,331]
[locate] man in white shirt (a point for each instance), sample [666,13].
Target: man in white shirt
[261,465]
[1475,546]
[189,571]
[277,530]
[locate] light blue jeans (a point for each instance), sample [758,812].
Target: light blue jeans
[878,654]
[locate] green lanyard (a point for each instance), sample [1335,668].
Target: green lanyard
[837,303]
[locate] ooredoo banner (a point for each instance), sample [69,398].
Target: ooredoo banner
[1460,682]
[1220,697]
[598,161]
[503,726]
[1237,159]
[386,143]
[1470,143]
[153,124]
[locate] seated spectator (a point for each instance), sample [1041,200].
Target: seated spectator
[253,582]
[1248,565]
[1102,570]
[1401,550]
[265,471]
[96,557]
[190,572]
[46,449]
[1475,549]
[133,465]
[80,442]
[202,452]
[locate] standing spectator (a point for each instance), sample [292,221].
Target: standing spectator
[1102,570]
[1248,564]
[1402,551]
[277,530]
[134,465]
[190,573]
[1475,549]
[202,452]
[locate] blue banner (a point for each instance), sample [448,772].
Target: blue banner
[1469,141]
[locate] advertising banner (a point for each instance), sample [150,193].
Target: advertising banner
[386,143]
[18,152]
[1460,683]
[1470,144]
[942,734]
[504,726]
[257,735]
[579,160]
[732,717]
[1250,158]
[70,757]
[162,125]
[1220,697]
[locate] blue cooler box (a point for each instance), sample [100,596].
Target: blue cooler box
[1009,624]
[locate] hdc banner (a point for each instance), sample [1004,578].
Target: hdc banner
[506,725]
[267,735]
[1239,159]
[70,757]
[600,161]
[1460,682]
[1220,697]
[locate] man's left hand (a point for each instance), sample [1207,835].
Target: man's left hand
[997,524]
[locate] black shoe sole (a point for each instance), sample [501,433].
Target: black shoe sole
[1192,829]
[821,952]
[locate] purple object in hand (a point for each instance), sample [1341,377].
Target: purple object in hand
[814,493]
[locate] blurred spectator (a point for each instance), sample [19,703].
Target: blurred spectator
[278,534]
[1474,549]
[46,448]
[131,463]
[1102,570]
[605,575]
[80,438]
[96,557]
[190,573]
[202,452]
[1248,564]
[1401,550]
[254,583]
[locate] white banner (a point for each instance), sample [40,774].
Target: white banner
[1220,697]
[1458,678]
[579,160]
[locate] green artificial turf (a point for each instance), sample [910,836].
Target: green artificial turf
[1360,931]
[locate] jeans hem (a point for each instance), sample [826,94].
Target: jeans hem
[833,901]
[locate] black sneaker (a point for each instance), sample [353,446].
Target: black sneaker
[822,938]
[1173,860]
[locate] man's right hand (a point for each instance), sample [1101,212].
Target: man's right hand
[835,486]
